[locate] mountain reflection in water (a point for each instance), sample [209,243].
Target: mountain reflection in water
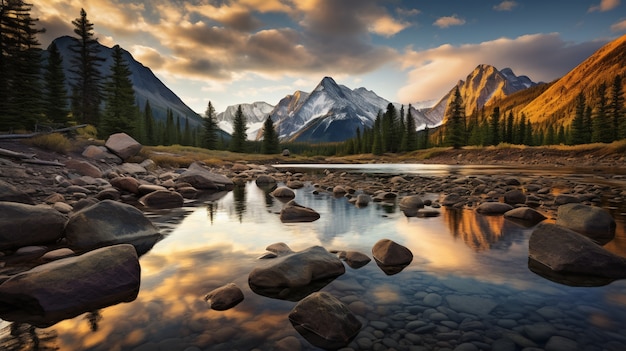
[219,240]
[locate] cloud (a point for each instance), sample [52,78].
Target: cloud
[619,26]
[542,57]
[505,6]
[605,5]
[448,21]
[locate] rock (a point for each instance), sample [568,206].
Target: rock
[324,321]
[295,275]
[162,199]
[24,225]
[128,184]
[148,165]
[265,179]
[68,287]
[101,153]
[131,169]
[144,189]
[356,259]
[563,199]
[493,208]
[562,250]
[339,190]
[452,199]
[293,212]
[203,179]
[514,197]
[476,305]
[62,207]
[286,153]
[109,194]
[279,248]
[362,200]
[57,254]
[10,193]
[593,222]
[84,168]
[109,223]
[225,297]
[283,192]
[560,343]
[410,205]
[525,214]
[123,145]
[390,253]
[188,192]
[295,184]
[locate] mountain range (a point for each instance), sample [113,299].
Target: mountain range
[333,112]
[146,85]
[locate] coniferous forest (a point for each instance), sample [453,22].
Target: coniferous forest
[34,96]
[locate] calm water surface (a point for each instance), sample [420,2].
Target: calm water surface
[467,268]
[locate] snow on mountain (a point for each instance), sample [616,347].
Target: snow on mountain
[483,85]
[146,85]
[255,114]
[331,112]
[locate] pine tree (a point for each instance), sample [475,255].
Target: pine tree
[168,135]
[358,142]
[270,143]
[521,129]
[120,111]
[186,140]
[494,127]
[528,137]
[616,109]
[149,133]
[602,124]
[238,141]
[455,127]
[390,137]
[588,125]
[86,90]
[55,105]
[509,128]
[210,137]
[578,123]
[20,67]
[411,131]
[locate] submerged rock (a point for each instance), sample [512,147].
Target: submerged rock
[324,321]
[224,297]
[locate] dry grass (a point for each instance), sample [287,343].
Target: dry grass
[56,142]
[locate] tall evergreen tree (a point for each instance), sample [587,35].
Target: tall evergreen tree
[87,89]
[494,127]
[455,127]
[55,105]
[411,131]
[149,133]
[120,112]
[528,137]
[602,124]
[238,141]
[521,129]
[270,143]
[510,120]
[578,123]
[20,67]
[390,136]
[616,109]
[168,130]
[210,137]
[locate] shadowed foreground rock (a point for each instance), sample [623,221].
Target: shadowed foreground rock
[108,223]
[324,321]
[295,275]
[68,287]
[564,251]
[24,225]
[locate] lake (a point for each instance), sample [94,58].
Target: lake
[469,286]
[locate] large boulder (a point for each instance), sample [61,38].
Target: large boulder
[294,212]
[109,223]
[593,222]
[203,179]
[24,225]
[123,145]
[324,321]
[224,297]
[290,276]
[563,250]
[68,287]
[8,192]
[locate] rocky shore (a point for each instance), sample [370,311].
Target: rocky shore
[82,213]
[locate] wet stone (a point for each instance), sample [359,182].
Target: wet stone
[432,300]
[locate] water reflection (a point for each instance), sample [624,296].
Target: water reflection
[460,252]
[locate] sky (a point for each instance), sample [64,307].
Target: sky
[407,51]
